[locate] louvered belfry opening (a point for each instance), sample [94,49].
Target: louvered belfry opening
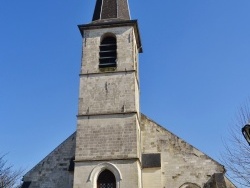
[108,53]
[106,180]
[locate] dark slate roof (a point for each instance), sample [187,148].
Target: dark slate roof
[110,9]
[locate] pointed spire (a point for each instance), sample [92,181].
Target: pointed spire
[111,9]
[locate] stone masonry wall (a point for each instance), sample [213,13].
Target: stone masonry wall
[125,48]
[53,170]
[113,91]
[108,100]
[108,93]
[129,169]
[180,162]
[107,137]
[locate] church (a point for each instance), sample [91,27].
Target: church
[115,145]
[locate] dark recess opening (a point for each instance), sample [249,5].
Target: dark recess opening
[107,52]
[106,180]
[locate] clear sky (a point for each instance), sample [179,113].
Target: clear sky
[194,71]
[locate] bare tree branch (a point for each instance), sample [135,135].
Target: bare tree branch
[236,157]
[8,177]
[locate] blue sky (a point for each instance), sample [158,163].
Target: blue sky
[194,71]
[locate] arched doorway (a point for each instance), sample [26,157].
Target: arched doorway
[106,179]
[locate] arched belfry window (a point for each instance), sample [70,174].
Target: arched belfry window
[107,54]
[106,179]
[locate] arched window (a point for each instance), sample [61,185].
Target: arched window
[95,175]
[106,179]
[107,52]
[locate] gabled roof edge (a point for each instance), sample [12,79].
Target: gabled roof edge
[184,141]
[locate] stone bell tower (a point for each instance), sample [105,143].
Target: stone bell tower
[108,124]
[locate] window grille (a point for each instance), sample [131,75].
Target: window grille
[106,180]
